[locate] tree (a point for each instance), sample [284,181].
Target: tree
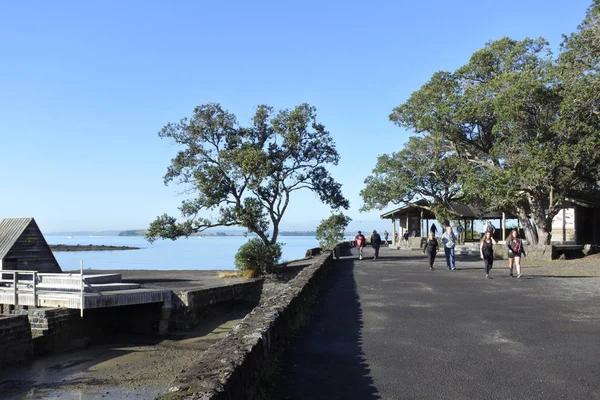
[426,169]
[331,230]
[247,174]
[502,113]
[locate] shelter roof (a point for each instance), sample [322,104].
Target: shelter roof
[10,230]
[462,210]
[584,199]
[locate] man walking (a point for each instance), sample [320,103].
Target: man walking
[433,229]
[385,236]
[449,239]
[375,243]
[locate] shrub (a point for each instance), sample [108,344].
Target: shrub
[258,257]
[331,230]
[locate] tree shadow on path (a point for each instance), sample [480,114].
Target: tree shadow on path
[325,359]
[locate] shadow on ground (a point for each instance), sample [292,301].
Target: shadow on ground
[325,359]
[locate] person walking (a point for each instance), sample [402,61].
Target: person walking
[360,241]
[433,229]
[449,241]
[486,249]
[385,236]
[515,248]
[375,243]
[490,228]
[459,234]
[431,248]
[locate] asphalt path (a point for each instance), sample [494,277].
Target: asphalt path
[393,329]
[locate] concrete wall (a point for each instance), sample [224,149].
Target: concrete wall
[15,340]
[233,367]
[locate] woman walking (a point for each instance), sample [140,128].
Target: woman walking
[515,248]
[486,249]
[431,248]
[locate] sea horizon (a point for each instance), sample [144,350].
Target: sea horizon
[193,253]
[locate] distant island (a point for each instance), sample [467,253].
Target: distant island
[88,247]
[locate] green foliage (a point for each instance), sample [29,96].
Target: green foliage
[427,168]
[257,256]
[331,230]
[245,175]
[527,124]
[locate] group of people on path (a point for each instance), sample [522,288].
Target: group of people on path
[360,241]
[432,246]
[514,247]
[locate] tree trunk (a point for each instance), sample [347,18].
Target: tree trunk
[531,234]
[542,222]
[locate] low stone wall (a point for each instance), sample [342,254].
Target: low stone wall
[15,340]
[188,306]
[52,329]
[233,367]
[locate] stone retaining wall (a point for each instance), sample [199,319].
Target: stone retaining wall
[188,306]
[15,340]
[233,367]
[52,329]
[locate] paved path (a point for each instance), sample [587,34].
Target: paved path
[392,329]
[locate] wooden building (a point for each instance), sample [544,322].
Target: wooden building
[23,247]
[579,221]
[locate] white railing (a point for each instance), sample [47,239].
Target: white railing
[30,285]
[15,281]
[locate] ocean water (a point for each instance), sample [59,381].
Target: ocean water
[203,253]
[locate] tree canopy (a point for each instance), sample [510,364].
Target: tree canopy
[526,122]
[426,169]
[246,173]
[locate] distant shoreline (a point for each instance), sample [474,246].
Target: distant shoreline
[89,247]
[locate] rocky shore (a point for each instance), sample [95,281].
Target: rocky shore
[88,247]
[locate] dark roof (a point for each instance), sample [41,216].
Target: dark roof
[591,199]
[10,230]
[463,211]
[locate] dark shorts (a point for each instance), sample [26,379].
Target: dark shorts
[513,255]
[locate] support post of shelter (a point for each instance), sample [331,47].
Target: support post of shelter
[503,225]
[15,294]
[393,231]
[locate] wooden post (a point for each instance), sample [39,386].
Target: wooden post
[35,289]
[393,231]
[503,225]
[82,300]
[564,226]
[15,294]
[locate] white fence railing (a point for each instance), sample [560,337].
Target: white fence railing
[26,282]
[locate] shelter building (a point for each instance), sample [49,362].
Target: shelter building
[577,223]
[416,219]
[23,247]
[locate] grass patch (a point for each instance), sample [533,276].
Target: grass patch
[228,274]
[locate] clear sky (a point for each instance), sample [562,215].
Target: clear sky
[86,86]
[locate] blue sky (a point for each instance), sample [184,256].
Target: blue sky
[85,87]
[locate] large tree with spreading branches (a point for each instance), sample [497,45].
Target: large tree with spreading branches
[524,120]
[246,174]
